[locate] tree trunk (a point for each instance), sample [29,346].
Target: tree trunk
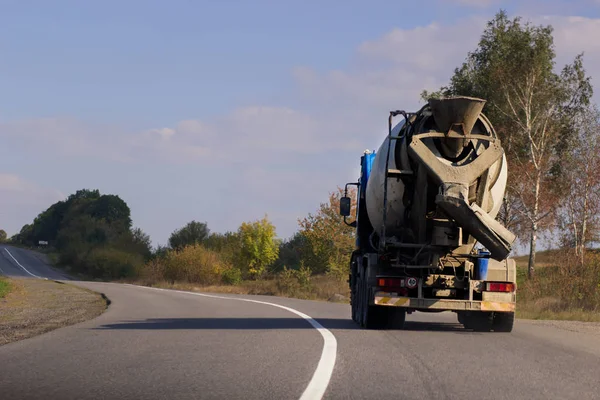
[574,224]
[585,217]
[532,243]
[534,225]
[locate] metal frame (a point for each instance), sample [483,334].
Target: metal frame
[382,240]
[357,184]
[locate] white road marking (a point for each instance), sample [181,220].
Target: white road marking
[19,264]
[322,375]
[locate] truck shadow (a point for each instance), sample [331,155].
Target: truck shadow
[229,323]
[433,326]
[263,324]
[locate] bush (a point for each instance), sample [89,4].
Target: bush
[153,271]
[303,276]
[287,282]
[194,264]
[111,263]
[232,276]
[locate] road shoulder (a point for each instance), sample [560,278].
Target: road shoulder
[37,306]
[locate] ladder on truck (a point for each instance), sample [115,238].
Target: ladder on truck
[392,172]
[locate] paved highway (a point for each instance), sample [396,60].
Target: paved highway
[19,262]
[159,344]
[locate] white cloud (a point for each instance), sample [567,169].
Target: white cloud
[572,36]
[22,200]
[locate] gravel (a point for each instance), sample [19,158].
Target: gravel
[592,328]
[36,306]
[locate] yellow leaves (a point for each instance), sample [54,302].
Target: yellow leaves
[259,247]
[194,264]
[330,241]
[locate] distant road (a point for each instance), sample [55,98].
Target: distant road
[19,262]
[159,344]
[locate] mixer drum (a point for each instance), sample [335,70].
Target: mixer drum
[398,159]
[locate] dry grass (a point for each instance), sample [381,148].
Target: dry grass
[319,287]
[36,306]
[563,290]
[525,312]
[5,287]
[543,259]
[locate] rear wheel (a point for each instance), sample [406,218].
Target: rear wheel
[370,317]
[503,321]
[479,321]
[354,293]
[396,317]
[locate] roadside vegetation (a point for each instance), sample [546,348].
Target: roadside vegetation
[5,287]
[550,131]
[562,289]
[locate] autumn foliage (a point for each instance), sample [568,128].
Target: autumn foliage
[328,241]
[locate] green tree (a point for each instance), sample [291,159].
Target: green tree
[259,247]
[92,233]
[160,251]
[228,245]
[24,235]
[141,242]
[327,241]
[291,252]
[192,233]
[113,210]
[3,236]
[532,108]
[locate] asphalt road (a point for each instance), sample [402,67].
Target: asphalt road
[19,262]
[158,344]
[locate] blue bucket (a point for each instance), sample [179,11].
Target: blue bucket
[482,265]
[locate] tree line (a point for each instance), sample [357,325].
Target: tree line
[92,234]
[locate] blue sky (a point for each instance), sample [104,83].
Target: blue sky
[224,111]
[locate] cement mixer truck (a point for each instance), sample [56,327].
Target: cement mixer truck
[427,238]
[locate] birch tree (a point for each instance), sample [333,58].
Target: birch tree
[580,217]
[532,108]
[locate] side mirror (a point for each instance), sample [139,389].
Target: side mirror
[345,205]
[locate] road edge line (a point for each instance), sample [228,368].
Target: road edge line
[19,264]
[321,377]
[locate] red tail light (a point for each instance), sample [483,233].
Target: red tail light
[500,287]
[390,282]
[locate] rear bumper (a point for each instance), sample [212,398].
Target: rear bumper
[390,300]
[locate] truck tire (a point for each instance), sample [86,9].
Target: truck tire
[370,317]
[479,321]
[396,317]
[354,293]
[375,317]
[503,321]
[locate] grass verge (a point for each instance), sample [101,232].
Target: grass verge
[36,306]
[562,290]
[318,287]
[5,287]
